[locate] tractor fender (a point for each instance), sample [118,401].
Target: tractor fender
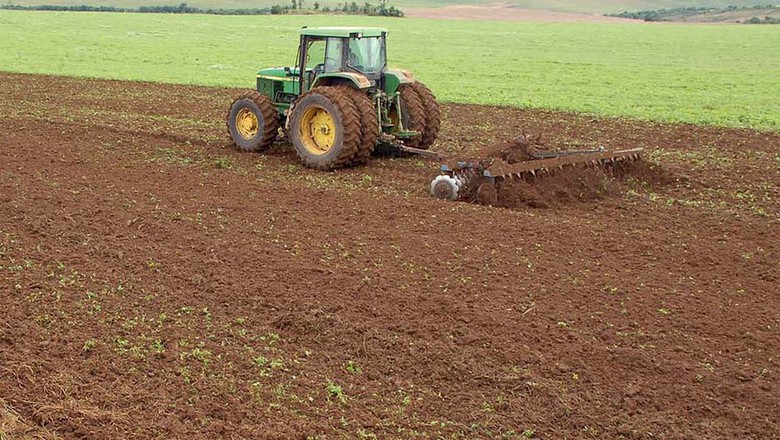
[395,77]
[354,79]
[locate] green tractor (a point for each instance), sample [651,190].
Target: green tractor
[338,103]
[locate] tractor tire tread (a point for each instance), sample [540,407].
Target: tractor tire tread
[350,122]
[270,119]
[432,115]
[369,124]
[414,105]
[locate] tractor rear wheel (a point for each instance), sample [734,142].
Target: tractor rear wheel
[252,121]
[369,124]
[325,128]
[432,115]
[413,114]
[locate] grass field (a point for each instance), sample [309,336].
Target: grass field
[724,75]
[583,6]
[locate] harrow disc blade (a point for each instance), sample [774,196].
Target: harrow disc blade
[487,194]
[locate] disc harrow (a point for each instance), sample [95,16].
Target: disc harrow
[477,181]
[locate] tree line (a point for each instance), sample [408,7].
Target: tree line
[296,6]
[667,14]
[353,8]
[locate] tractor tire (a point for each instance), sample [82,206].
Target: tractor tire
[413,113]
[369,124]
[325,128]
[432,115]
[252,121]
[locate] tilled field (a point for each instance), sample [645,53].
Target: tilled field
[158,284]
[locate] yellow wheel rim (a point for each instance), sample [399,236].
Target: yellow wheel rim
[318,130]
[246,123]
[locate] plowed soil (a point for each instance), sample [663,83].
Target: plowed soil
[156,283]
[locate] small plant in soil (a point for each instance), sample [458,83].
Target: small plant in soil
[353,368]
[157,347]
[335,391]
[224,163]
[89,345]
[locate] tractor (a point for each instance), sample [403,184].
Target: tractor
[339,102]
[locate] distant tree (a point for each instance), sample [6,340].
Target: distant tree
[316,6]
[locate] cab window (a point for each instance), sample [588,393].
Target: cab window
[334,55]
[367,54]
[315,54]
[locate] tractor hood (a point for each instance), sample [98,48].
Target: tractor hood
[278,73]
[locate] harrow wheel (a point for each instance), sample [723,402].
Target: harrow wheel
[432,115]
[252,121]
[325,128]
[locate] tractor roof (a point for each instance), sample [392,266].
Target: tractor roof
[343,31]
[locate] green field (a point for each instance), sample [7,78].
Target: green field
[725,75]
[584,6]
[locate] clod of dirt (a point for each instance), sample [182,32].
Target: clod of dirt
[580,184]
[521,149]
[570,185]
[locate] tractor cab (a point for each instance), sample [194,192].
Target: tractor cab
[357,54]
[329,56]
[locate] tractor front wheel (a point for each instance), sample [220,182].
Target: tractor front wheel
[252,121]
[325,128]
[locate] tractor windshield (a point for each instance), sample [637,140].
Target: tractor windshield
[367,54]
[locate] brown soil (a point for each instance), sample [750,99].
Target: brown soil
[159,284]
[517,150]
